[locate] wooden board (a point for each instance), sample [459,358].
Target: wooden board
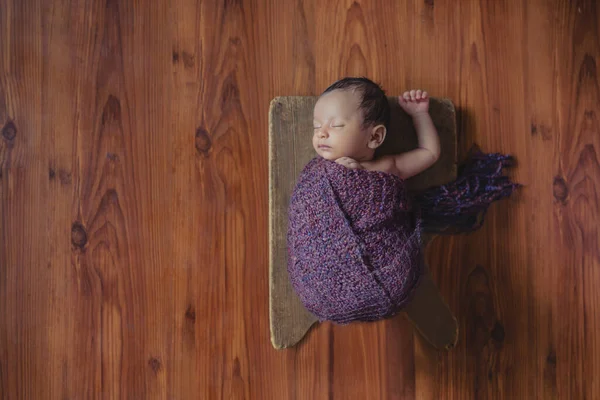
[290,148]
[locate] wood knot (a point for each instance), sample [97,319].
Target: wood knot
[544,131]
[550,370]
[279,106]
[187,58]
[560,190]
[190,314]
[112,111]
[498,333]
[429,3]
[64,176]
[230,94]
[203,142]
[588,68]
[9,131]
[78,235]
[154,364]
[237,369]
[551,359]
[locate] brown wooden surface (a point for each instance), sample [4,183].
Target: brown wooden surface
[133,197]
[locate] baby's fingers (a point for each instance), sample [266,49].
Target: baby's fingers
[414,95]
[348,162]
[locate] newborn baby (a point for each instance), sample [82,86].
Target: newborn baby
[351,121]
[354,233]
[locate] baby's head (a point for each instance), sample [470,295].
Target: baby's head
[350,119]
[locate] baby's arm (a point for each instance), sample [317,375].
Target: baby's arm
[416,161]
[408,164]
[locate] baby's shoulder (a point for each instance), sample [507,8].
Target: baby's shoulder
[383,164]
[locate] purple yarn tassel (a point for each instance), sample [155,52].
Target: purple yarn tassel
[460,206]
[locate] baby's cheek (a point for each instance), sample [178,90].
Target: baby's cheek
[315,143]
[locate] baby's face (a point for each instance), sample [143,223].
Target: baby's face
[338,130]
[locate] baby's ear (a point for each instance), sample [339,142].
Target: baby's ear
[378,133]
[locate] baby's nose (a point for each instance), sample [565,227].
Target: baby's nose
[322,133]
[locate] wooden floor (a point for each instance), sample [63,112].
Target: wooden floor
[133,197]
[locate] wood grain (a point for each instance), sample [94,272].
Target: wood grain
[134,197]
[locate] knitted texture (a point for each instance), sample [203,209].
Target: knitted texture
[354,236]
[460,206]
[354,244]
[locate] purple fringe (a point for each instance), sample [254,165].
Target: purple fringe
[460,206]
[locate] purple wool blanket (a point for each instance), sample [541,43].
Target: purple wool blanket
[354,236]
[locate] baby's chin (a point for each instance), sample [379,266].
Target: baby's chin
[327,154]
[329,157]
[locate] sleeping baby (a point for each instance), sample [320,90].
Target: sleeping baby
[354,231]
[351,121]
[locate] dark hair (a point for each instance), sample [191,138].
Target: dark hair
[374,103]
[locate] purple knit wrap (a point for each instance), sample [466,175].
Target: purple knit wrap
[354,238]
[354,243]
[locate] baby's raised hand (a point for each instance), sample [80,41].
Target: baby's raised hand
[349,163]
[414,102]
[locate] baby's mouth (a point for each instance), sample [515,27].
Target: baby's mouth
[324,147]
